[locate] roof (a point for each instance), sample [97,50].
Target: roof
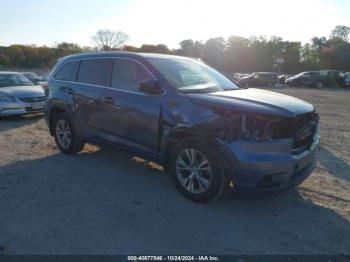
[119,54]
[153,55]
[9,72]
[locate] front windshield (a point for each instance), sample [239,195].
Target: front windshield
[7,80]
[190,76]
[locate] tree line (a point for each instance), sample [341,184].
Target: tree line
[234,54]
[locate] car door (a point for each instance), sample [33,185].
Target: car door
[305,79]
[256,80]
[131,116]
[93,77]
[264,80]
[316,77]
[341,79]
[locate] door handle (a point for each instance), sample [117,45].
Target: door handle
[108,100]
[66,89]
[70,91]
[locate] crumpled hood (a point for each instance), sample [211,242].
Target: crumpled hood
[22,91]
[255,101]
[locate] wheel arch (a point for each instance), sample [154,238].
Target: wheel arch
[183,134]
[53,112]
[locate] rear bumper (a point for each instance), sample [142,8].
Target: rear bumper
[269,166]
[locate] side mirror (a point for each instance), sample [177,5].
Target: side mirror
[150,87]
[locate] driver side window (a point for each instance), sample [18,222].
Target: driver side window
[127,74]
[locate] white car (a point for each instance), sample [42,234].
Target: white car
[19,95]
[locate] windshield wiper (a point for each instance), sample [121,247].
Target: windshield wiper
[232,88]
[204,90]
[201,88]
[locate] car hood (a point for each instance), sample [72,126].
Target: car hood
[245,78]
[22,91]
[292,78]
[255,101]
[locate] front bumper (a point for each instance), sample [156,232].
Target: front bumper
[19,108]
[261,167]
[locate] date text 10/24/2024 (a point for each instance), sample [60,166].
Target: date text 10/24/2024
[173,258]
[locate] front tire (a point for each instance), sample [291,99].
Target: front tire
[65,135]
[196,172]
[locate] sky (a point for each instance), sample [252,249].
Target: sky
[48,22]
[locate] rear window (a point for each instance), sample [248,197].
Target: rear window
[68,72]
[95,71]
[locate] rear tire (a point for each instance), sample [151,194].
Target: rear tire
[196,171]
[65,135]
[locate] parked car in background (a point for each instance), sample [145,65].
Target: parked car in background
[206,131]
[282,78]
[44,82]
[44,78]
[19,95]
[260,79]
[333,77]
[347,80]
[238,76]
[32,76]
[317,79]
[305,79]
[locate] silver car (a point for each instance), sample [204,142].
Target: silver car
[19,95]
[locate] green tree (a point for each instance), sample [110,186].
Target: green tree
[213,52]
[341,32]
[238,56]
[160,49]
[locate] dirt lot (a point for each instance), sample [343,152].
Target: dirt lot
[105,202]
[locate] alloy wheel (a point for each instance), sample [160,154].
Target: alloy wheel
[63,133]
[193,170]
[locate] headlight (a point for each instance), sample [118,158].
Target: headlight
[7,99]
[253,127]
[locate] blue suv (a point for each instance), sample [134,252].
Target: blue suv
[206,130]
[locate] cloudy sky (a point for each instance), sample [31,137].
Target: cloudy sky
[46,22]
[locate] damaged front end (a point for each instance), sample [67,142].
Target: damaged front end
[270,152]
[252,127]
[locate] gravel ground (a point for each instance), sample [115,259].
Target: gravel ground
[102,201]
